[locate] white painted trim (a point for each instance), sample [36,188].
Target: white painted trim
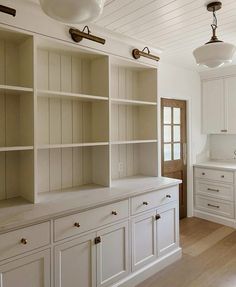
[137,277]
[31,19]
[215,218]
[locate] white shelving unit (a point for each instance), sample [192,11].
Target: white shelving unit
[16,116]
[72,119]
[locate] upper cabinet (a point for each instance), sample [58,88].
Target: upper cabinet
[219,106]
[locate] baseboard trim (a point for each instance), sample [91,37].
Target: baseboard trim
[215,218]
[139,276]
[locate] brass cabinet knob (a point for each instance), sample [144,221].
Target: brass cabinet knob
[145,203]
[23,241]
[114,212]
[168,196]
[76,224]
[98,240]
[157,217]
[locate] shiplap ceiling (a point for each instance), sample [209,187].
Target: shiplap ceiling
[175,26]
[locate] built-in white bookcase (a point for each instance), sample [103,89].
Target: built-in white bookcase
[16,116]
[133,119]
[72,119]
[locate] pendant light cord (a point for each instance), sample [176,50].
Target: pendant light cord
[214,24]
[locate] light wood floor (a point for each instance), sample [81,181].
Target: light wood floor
[209,258]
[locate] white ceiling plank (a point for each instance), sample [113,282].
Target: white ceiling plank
[196,18]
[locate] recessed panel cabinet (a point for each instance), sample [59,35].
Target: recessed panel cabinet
[219,106]
[75,263]
[98,259]
[154,234]
[30,271]
[112,254]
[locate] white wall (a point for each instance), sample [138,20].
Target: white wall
[179,83]
[222,147]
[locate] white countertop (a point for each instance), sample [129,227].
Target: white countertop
[228,165]
[15,213]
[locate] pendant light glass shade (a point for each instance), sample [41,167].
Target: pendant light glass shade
[214,54]
[73,11]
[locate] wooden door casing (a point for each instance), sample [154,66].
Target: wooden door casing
[176,168]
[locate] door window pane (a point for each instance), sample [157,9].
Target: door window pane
[176,114]
[167,115]
[167,152]
[177,151]
[176,133]
[167,134]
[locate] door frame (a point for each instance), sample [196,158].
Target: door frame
[188,151]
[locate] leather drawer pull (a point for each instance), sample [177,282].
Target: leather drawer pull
[211,205]
[212,189]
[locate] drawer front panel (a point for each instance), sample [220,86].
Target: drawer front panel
[154,199]
[215,190]
[218,207]
[81,222]
[26,239]
[220,175]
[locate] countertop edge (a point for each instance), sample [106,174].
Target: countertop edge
[21,223]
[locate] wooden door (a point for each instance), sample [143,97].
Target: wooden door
[167,228]
[174,146]
[75,263]
[112,254]
[30,271]
[213,106]
[143,240]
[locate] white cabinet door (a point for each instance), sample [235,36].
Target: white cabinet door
[230,101]
[143,240]
[213,106]
[167,228]
[30,271]
[112,254]
[75,263]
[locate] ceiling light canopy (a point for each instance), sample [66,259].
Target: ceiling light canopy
[73,11]
[214,53]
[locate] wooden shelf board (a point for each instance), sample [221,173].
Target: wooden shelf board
[132,102]
[67,193]
[16,148]
[133,142]
[66,95]
[54,146]
[15,89]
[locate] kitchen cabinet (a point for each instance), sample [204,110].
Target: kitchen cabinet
[31,270]
[219,106]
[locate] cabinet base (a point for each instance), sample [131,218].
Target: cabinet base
[139,276]
[215,218]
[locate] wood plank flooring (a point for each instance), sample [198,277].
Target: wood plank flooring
[209,257]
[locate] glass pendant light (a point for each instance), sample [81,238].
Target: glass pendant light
[214,53]
[73,11]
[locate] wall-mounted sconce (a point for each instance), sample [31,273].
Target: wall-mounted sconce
[8,10]
[137,54]
[78,35]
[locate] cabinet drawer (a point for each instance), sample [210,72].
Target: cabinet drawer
[216,190]
[219,207]
[81,222]
[154,199]
[22,240]
[220,175]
